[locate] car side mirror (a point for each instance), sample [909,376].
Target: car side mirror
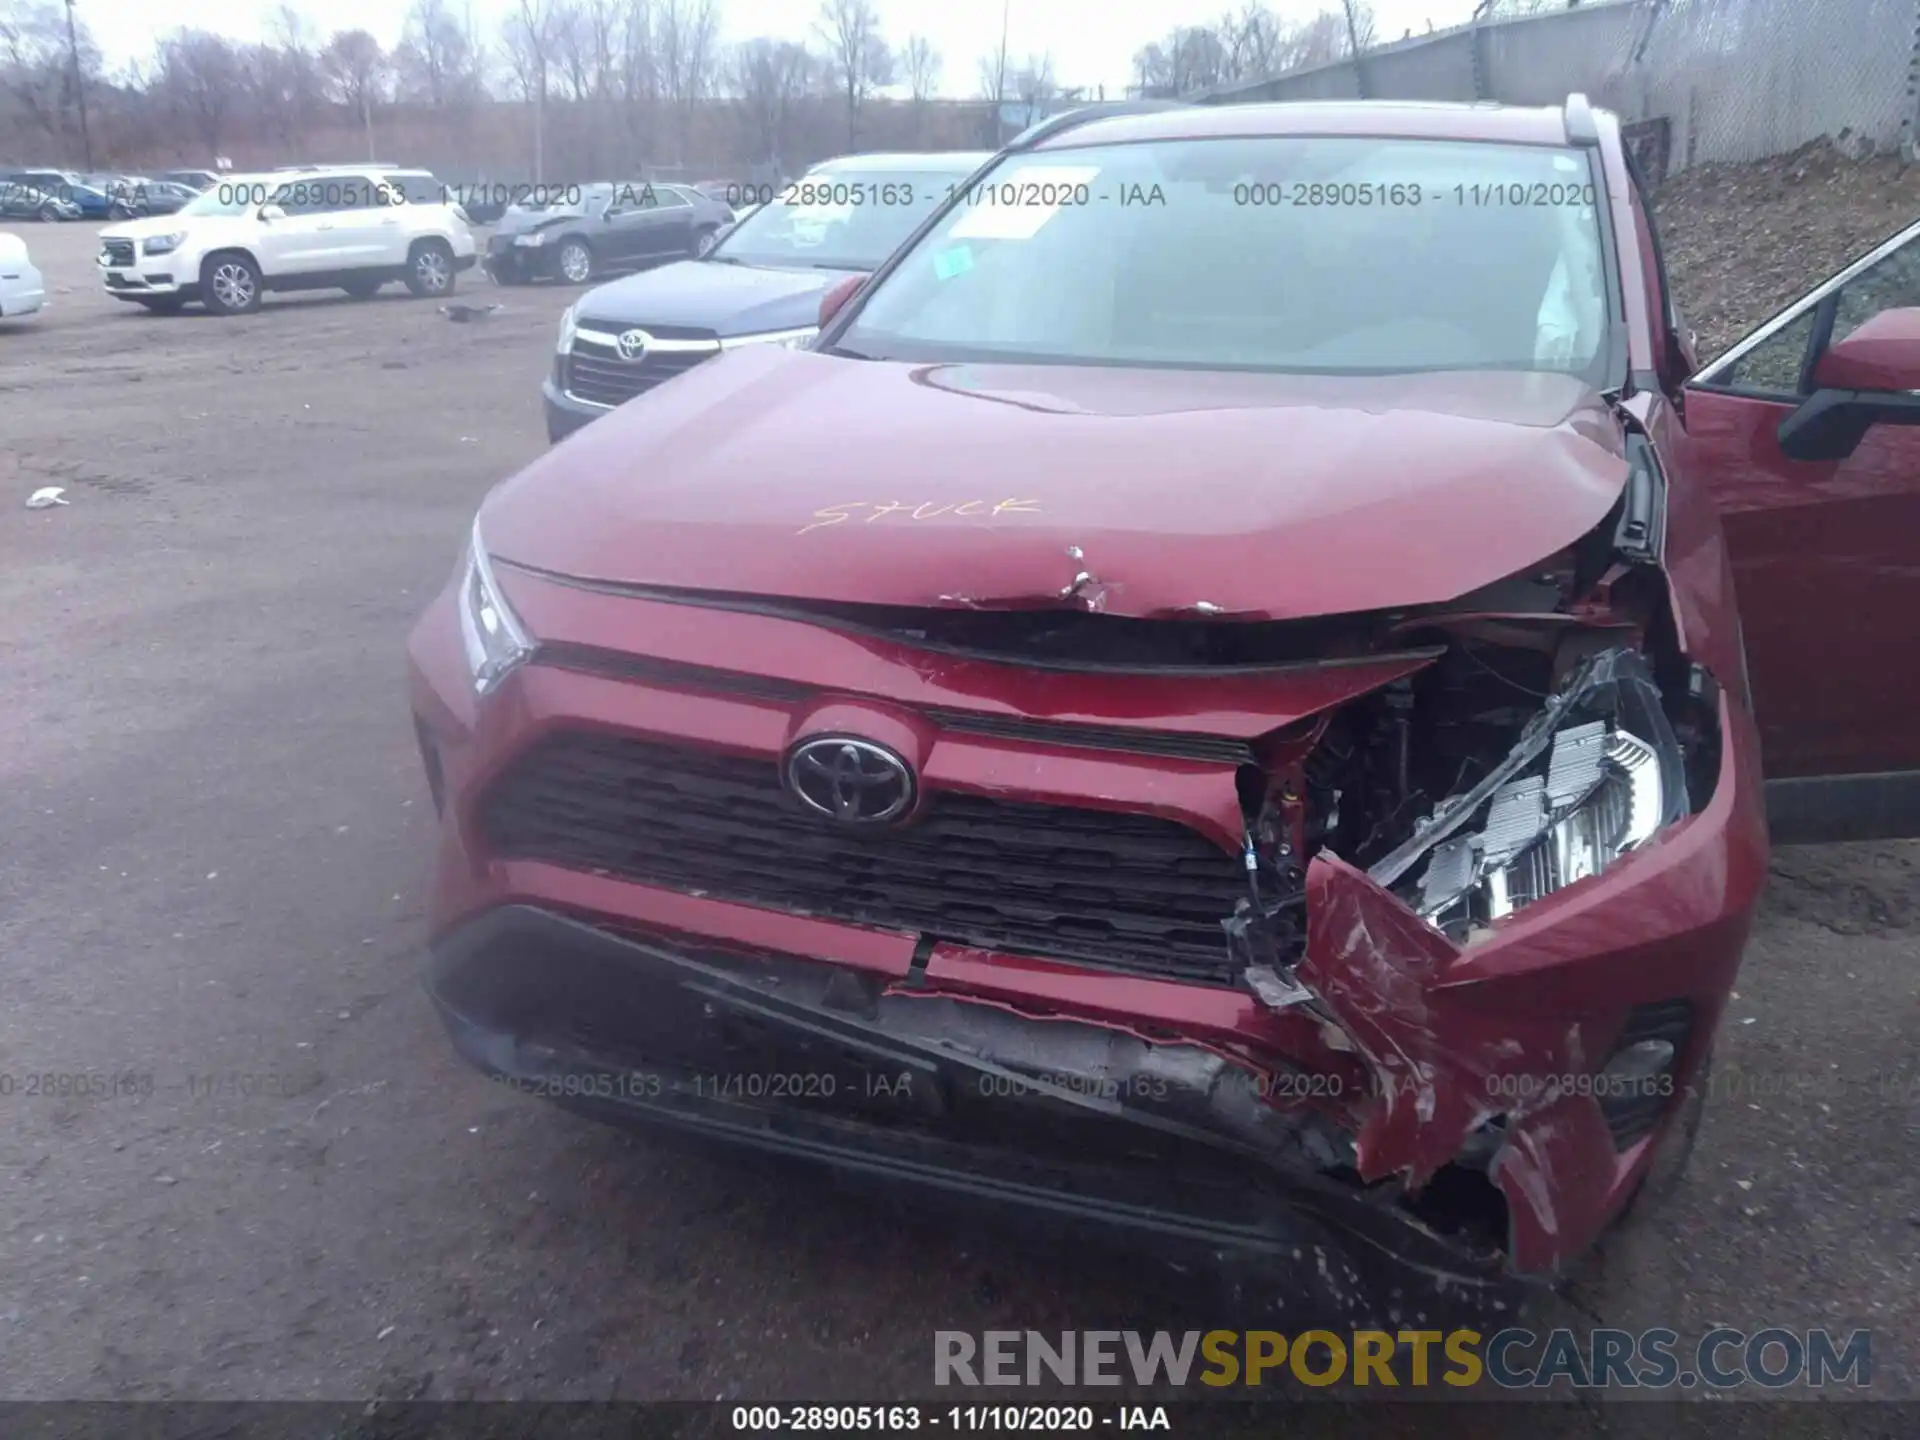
[270,213]
[1872,377]
[834,299]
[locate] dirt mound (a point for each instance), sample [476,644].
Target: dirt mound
[1743,240]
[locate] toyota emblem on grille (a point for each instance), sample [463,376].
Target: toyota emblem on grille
[853,781]
[632,344]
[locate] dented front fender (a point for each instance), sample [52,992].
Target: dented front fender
[1499,1041]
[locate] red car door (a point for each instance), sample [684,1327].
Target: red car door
[1824,538]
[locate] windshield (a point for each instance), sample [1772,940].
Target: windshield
[1303,254]
[847,220]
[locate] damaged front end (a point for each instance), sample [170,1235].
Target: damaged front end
[1373,952]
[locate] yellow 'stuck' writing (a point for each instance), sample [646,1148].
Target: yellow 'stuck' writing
[927,510]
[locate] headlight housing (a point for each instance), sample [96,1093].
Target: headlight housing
[162,244]
[494,639]
[789,339]
[569,324]
[1596,774]
[534,237]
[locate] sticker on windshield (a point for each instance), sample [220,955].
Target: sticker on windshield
[954,260]
[1014,206]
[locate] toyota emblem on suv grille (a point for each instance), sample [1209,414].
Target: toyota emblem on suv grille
[632,344]
[853,781]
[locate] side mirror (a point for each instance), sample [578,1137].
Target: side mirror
[834,299]
[1870,378]
[1882,354]
[270,213]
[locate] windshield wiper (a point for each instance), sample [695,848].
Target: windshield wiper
[837,265]
[724,260]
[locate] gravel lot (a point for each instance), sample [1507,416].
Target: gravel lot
[215,842]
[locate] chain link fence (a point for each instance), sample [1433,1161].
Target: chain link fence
[1696,80]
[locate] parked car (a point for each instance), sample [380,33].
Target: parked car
[90,202]
[1222,718]
[589,230]
[22,290]
[353,229]
[760,283]
[195,180]
[134,196]
[27,202]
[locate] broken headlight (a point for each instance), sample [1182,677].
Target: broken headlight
[1597,774]
[491,633]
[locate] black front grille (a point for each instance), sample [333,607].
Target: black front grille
[1173,744]
[1132,893]
[119,252]
[598,374]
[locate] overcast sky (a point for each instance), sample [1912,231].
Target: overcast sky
[1092,41]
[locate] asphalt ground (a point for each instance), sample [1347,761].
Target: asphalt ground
[213,846]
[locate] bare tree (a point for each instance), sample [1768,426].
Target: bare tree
[1252,41]
[922,64]
[637,72]
[528,36]
[993,79]
[354,69]
[770,77]
[572,50]
[1034,87]
[857,55]
[686,36]
[435,60]
[1320,41]
[199,76]
[1189,58]
[45,77]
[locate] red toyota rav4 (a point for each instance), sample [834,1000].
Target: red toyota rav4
[1207,703]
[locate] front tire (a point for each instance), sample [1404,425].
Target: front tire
[574,261]
[230,284]
[362,289]
[703,242]
[48,214]
[430,268]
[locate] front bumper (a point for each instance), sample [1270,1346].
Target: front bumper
[1412,1060]
[1006,1116]
[517,263]
[151,276]
[564,413]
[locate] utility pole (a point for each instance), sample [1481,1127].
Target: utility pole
[79,89]
[366,116]
[1360,79]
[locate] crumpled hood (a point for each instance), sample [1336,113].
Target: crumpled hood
[517,220]
[811,476]
[711,295]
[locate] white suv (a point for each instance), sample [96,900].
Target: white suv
[351,229]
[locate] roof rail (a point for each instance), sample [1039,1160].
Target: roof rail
[1582,128]
[1100,110]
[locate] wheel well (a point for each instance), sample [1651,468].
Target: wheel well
[575,235]
[240,250]
[414,248]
